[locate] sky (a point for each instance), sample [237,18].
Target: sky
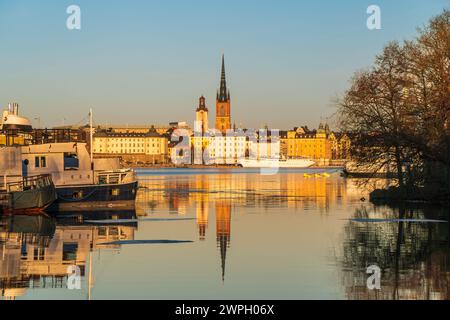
[147,62]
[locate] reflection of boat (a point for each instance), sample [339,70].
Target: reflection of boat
[37,250]
[36,226]
[86,218]
[28,195]
[23,239]
[276,163]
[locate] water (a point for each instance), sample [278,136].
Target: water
[232,234]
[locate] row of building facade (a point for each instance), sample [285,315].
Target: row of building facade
[184,146]
[222,144]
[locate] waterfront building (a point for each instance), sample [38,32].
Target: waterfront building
[265,144]
[226,149]
[223,104]
[147,148]
[303,143]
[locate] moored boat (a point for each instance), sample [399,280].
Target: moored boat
[28,195]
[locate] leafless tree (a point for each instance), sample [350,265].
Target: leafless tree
[398,111]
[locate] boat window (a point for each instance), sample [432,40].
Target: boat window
[71,161]
[102,232]
[40,162]
[102,180]
[114,179]
[70,251]
[114,231]
[78,194]
[115,192]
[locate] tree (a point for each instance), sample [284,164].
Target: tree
[374,109]
[398,111]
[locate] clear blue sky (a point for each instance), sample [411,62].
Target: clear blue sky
[149,61]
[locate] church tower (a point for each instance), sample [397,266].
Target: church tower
[201,116]
[223,104]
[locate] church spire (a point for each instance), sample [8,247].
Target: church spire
[224,95]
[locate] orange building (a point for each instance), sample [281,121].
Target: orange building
[223,104]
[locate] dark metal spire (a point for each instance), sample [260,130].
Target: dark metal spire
[224,95]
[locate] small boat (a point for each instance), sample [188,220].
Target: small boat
[28,195]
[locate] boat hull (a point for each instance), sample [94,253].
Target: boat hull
[95,197]
[31,201]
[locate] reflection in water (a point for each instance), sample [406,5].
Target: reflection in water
[413,256]
[223,230]
[37,250]
[295,236]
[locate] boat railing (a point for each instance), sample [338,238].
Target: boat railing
[29,183]
[115,177]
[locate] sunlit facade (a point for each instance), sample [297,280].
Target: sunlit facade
[147,148]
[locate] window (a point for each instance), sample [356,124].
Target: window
[70,251]
[77,194]
[40,162]
[71,161]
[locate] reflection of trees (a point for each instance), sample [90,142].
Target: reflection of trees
[414,257]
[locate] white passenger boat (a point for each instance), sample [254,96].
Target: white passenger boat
[276,163]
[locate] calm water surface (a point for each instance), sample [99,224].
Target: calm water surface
[284,236]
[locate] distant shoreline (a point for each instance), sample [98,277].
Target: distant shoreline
[167,166]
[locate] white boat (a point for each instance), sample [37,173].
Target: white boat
[276,163]
[81,182]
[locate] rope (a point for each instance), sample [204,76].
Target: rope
[79,199]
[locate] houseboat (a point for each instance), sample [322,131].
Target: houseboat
[81,183]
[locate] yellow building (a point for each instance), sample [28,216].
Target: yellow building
[146,148]
[300,143]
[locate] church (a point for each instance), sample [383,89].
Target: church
[223,107]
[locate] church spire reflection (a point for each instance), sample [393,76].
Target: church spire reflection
[223,231]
